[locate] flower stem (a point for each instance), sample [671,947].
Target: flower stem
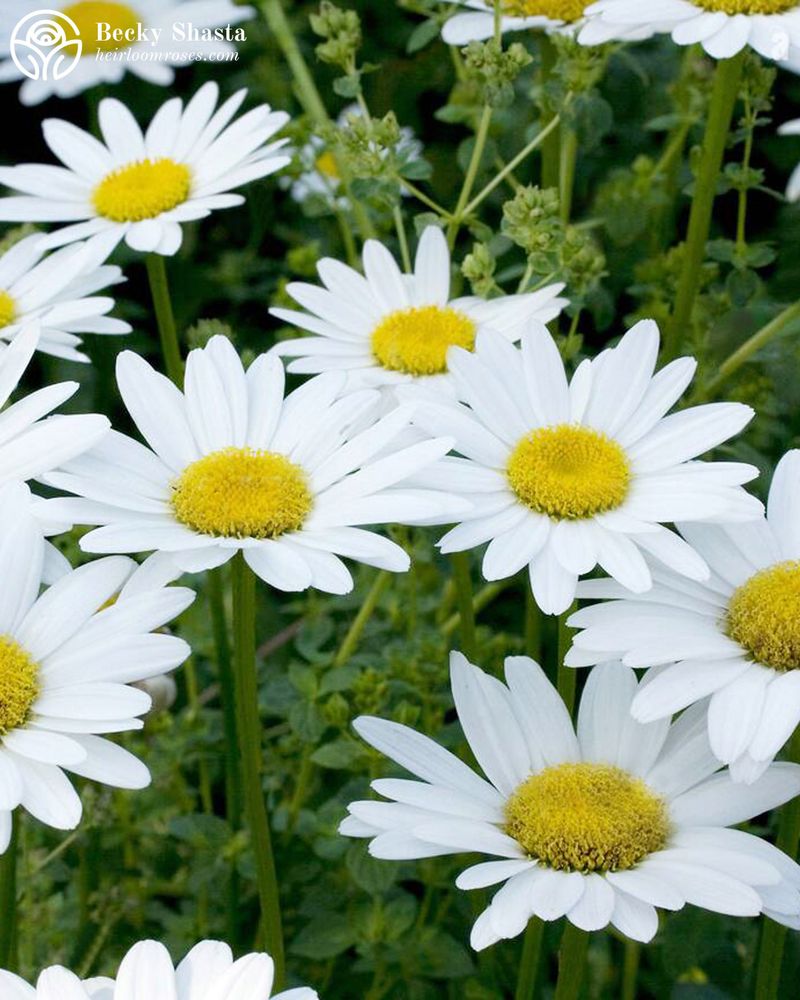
[571,962]
[248,731]
[566,676]
[630,969]
[8,901]
[720,112]
[529,961]
[167,331]
[533,626]
[472,172]
[466,609]
[773,935]
[568,158]
[364,614]
[550,148]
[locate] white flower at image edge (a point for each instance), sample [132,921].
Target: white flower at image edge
[235,466]
[208,972]
[67,659]
[793,187]
[388,328]
[564,475]
[58,293]
[600,827]
[722,27]
[141,187]
[735,637]
[152,58]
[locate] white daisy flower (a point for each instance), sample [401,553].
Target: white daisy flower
[30,445]
[235,466]
[386,327]
[150,51]
[141,187]
[208,972]
[600,827]
[57,292]
[722,27]
[735,637]
[67,660]
[565,476]
[792,128]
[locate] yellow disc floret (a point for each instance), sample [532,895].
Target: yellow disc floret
[569,472]
[587,818]
[556,10]
[242,493]
[747,6]
[88,15]
[142,190]
[415,341]
[8,309]
[19,684]
[326,165]
[764,616]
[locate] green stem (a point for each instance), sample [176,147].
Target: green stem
[566,676]
[402,239]
[720,113]
[741,215]
[533,626]
[750,346]
[481,135]
[248,731]
[773,935]
[630,969]
[364,614]
[424,198]
[167,331]
[466,610]
[482,599]
[571,962]
[529,961]
[568,158]
[551,148]
[8,901]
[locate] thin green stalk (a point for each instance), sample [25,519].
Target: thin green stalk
[167,331]
[568,159]
[482,599]
[566,676]
[571,962]
[529,960]
[364,614]
[750,346]
[551,148]
[248,731]
[8,902]
[481,136]
[533,626]
[630,969]
[741,215]
[773,935]
[424,198]
[466,609]
[402,239]
[720,113]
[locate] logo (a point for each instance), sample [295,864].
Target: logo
[46,45]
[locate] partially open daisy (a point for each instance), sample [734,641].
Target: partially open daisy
[150,51]
[722,27]
[386,328]
[235,466]
[565,476]
[208,972]
[141,187]
[67,660]
[57,292]
[600,827]
[735,637]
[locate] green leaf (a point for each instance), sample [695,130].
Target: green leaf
[421,36]
[339,755]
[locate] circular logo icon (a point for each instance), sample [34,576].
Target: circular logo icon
[46,45]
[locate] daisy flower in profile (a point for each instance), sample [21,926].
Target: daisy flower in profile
[792,128]
[139,186]
[67,659]
[386,328]
[150,49]
[57,292]
[232,465]
[208,972]
[722,27]
[568,475]
[735,637]
[600,826]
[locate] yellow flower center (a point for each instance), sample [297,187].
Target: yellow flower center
[415,341]
[556,10]
[8,309]
[587,818]
[88,14]
[142,190]
[569,472]
[19,684]
[242,493]
[764,616]
[327,166]
[747,6]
